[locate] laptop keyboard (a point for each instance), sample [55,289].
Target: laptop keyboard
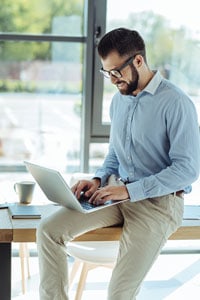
[85,204]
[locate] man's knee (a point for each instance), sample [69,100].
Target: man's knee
[42,229]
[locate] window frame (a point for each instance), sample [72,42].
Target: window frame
[93,131]
[100,131]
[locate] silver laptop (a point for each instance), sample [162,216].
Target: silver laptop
[57,190]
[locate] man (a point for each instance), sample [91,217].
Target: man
[154,149]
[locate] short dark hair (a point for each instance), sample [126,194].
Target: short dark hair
[124,41]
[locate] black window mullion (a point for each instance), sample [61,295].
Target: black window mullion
[41,38]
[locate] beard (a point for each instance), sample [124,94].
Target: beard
[132,85]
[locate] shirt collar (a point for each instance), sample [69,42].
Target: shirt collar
[154,83]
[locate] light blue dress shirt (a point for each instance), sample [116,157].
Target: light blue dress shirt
[154,141]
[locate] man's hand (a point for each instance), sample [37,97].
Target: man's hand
[86,186]
[109,193]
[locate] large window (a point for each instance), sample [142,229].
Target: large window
[42,47]
[172,37]
[40,103]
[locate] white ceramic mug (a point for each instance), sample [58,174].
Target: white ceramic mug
[25,190]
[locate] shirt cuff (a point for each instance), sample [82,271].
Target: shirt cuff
[102,177]
[135,191]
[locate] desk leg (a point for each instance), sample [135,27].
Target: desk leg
[5,271]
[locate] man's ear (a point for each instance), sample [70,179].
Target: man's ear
[138,61]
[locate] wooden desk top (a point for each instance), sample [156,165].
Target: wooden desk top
[25,230]
[21,230]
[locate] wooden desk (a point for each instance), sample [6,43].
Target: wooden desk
[15,231]
[25,231]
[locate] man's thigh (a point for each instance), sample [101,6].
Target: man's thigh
[147,226]
[67,224]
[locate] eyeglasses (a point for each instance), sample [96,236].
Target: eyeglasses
[116,72]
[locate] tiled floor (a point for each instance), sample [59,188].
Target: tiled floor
[173,277]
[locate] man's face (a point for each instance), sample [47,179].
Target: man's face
[128,81]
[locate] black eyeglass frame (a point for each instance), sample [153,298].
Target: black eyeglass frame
[116,72]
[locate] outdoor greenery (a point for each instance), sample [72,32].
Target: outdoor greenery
[34,17]
[23,16]
[19,86]
[39,17]
[167,47]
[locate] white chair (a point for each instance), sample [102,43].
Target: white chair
[90,255]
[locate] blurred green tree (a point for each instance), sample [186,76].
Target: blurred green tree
[34,17]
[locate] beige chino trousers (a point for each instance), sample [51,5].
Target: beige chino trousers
[147,224]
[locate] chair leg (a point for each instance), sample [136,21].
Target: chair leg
[27,259]
[85,269]
[83,276]
[76,265]
[24,254]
